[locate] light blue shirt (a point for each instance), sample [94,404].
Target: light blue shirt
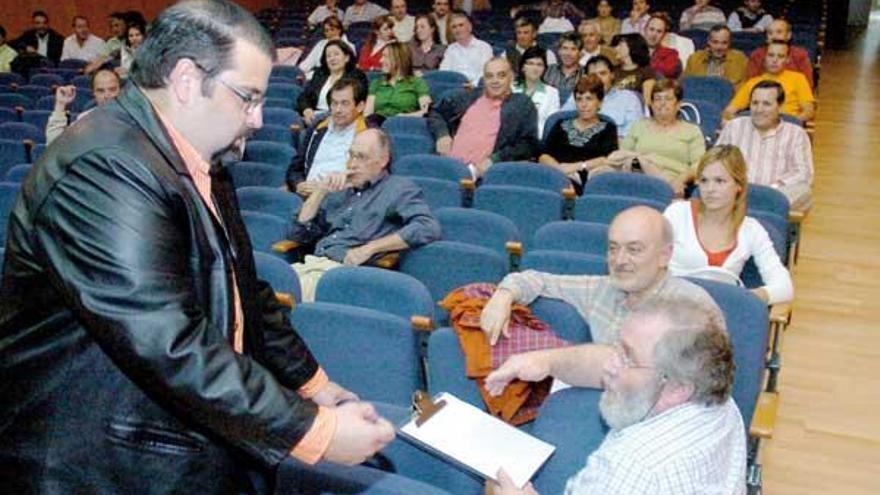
[621,105]
[332,154]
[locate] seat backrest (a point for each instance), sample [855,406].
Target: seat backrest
[527,207]
[574,236]
[406,125]
[629,184]
[280,116]
[602,208]
[82,82]
[709,114]
[34,91]
[446,76]
[282,90]
[287,71]
[12,152]
[8,115]
[446,368]
[278,274]
[411,144]
[747,323]
[8,195]
[526,174]
[564,262]
[477,227]
[271,200]
[264,230]
[439,193]
[563,318]
[19,131]
[17,173]
[374,354]
[37,118]
[376,288]
[257,174]
[434,166]
[708,88]
[47,80]
[553,119]
[768,199]
[12,100]
[8,78]
[446,265]
[277,154]
[274,134]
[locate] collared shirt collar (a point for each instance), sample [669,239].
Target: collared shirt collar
[769,132]
[372,183]
[621,296]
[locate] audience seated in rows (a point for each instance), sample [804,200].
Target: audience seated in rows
[701,16]
[554,9]
[799,100]
[325,145]
[134,36]
[404,24]
[362,11]
[633,71]
[526,37]
[400,91]
[425,47]
[82,44]
[381,33]
[106,85]
[712,231]
[565,73]
[778,153]
[591,37]
[798,59]
[664,60]
[41,39]
[578,147]
[338,61]
[361,214]
[622,106]
[750,17]
[718,58]
[484,127]
[330,8]
[467,55]
[529,81]
[674,427]
[664,145]
[331,28]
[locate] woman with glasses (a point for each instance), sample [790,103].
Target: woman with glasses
[332,29]
[400,92]
[337,61]
[713,230]
[663,145]
[529,80]
[381,33]
[577,147]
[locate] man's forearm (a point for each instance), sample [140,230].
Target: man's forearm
[391,242]
[580,365]
[311,206]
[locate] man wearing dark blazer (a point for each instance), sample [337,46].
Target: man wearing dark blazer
[41,39]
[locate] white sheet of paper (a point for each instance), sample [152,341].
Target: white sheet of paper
[478,440]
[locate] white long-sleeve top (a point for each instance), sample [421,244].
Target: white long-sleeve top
[752,239]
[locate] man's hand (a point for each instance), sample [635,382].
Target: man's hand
[505,486]
[529,366]
[444,145]
[358,255]
[64,96]
[306,187]
[332,394]
[678,187]
[334,182]
[360,433]
[495,318]
[309,116]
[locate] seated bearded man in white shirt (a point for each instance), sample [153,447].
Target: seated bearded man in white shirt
[674,426]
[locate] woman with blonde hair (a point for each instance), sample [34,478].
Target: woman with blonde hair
[713,230]
[400,92]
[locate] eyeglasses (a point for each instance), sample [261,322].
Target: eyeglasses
[251,100]
[626,360]
[358,157]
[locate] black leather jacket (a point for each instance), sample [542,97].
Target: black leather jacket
[116,371]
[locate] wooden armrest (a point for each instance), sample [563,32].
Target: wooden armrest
[764,419]
[797,216]
[389,260]
[780,313]
[468,184]
[422,323]
[28,143]
[285,246]
[569,194]
[295,127]
[14,87]
[515,248]
[18,109]
[285,299]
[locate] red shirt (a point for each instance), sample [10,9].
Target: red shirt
[665,62]
[798,60]
[368,61]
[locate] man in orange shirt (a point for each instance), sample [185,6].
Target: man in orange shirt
[139,352]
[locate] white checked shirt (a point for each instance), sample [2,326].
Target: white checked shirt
[690,449]
[467,59]
[782,156]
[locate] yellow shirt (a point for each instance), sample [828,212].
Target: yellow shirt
[797,91]
[7,55]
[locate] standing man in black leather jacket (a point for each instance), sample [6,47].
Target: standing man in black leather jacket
[138,351]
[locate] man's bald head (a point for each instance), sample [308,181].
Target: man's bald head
[639,249]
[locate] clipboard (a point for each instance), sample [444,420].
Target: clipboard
[473,440]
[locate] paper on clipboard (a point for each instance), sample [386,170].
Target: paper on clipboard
[479,441]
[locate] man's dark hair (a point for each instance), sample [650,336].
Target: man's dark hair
[600,59]
[134,17]
[40,13]
[117,15]
[204,31]
[717,28]
[525,19]
[638,47]
[780,91]
[571,37]
[78,17]
[357,89]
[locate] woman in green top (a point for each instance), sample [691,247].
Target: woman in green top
[664,146]
[400,92]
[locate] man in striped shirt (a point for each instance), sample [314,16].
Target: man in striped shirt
[778,153]
[667,398]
